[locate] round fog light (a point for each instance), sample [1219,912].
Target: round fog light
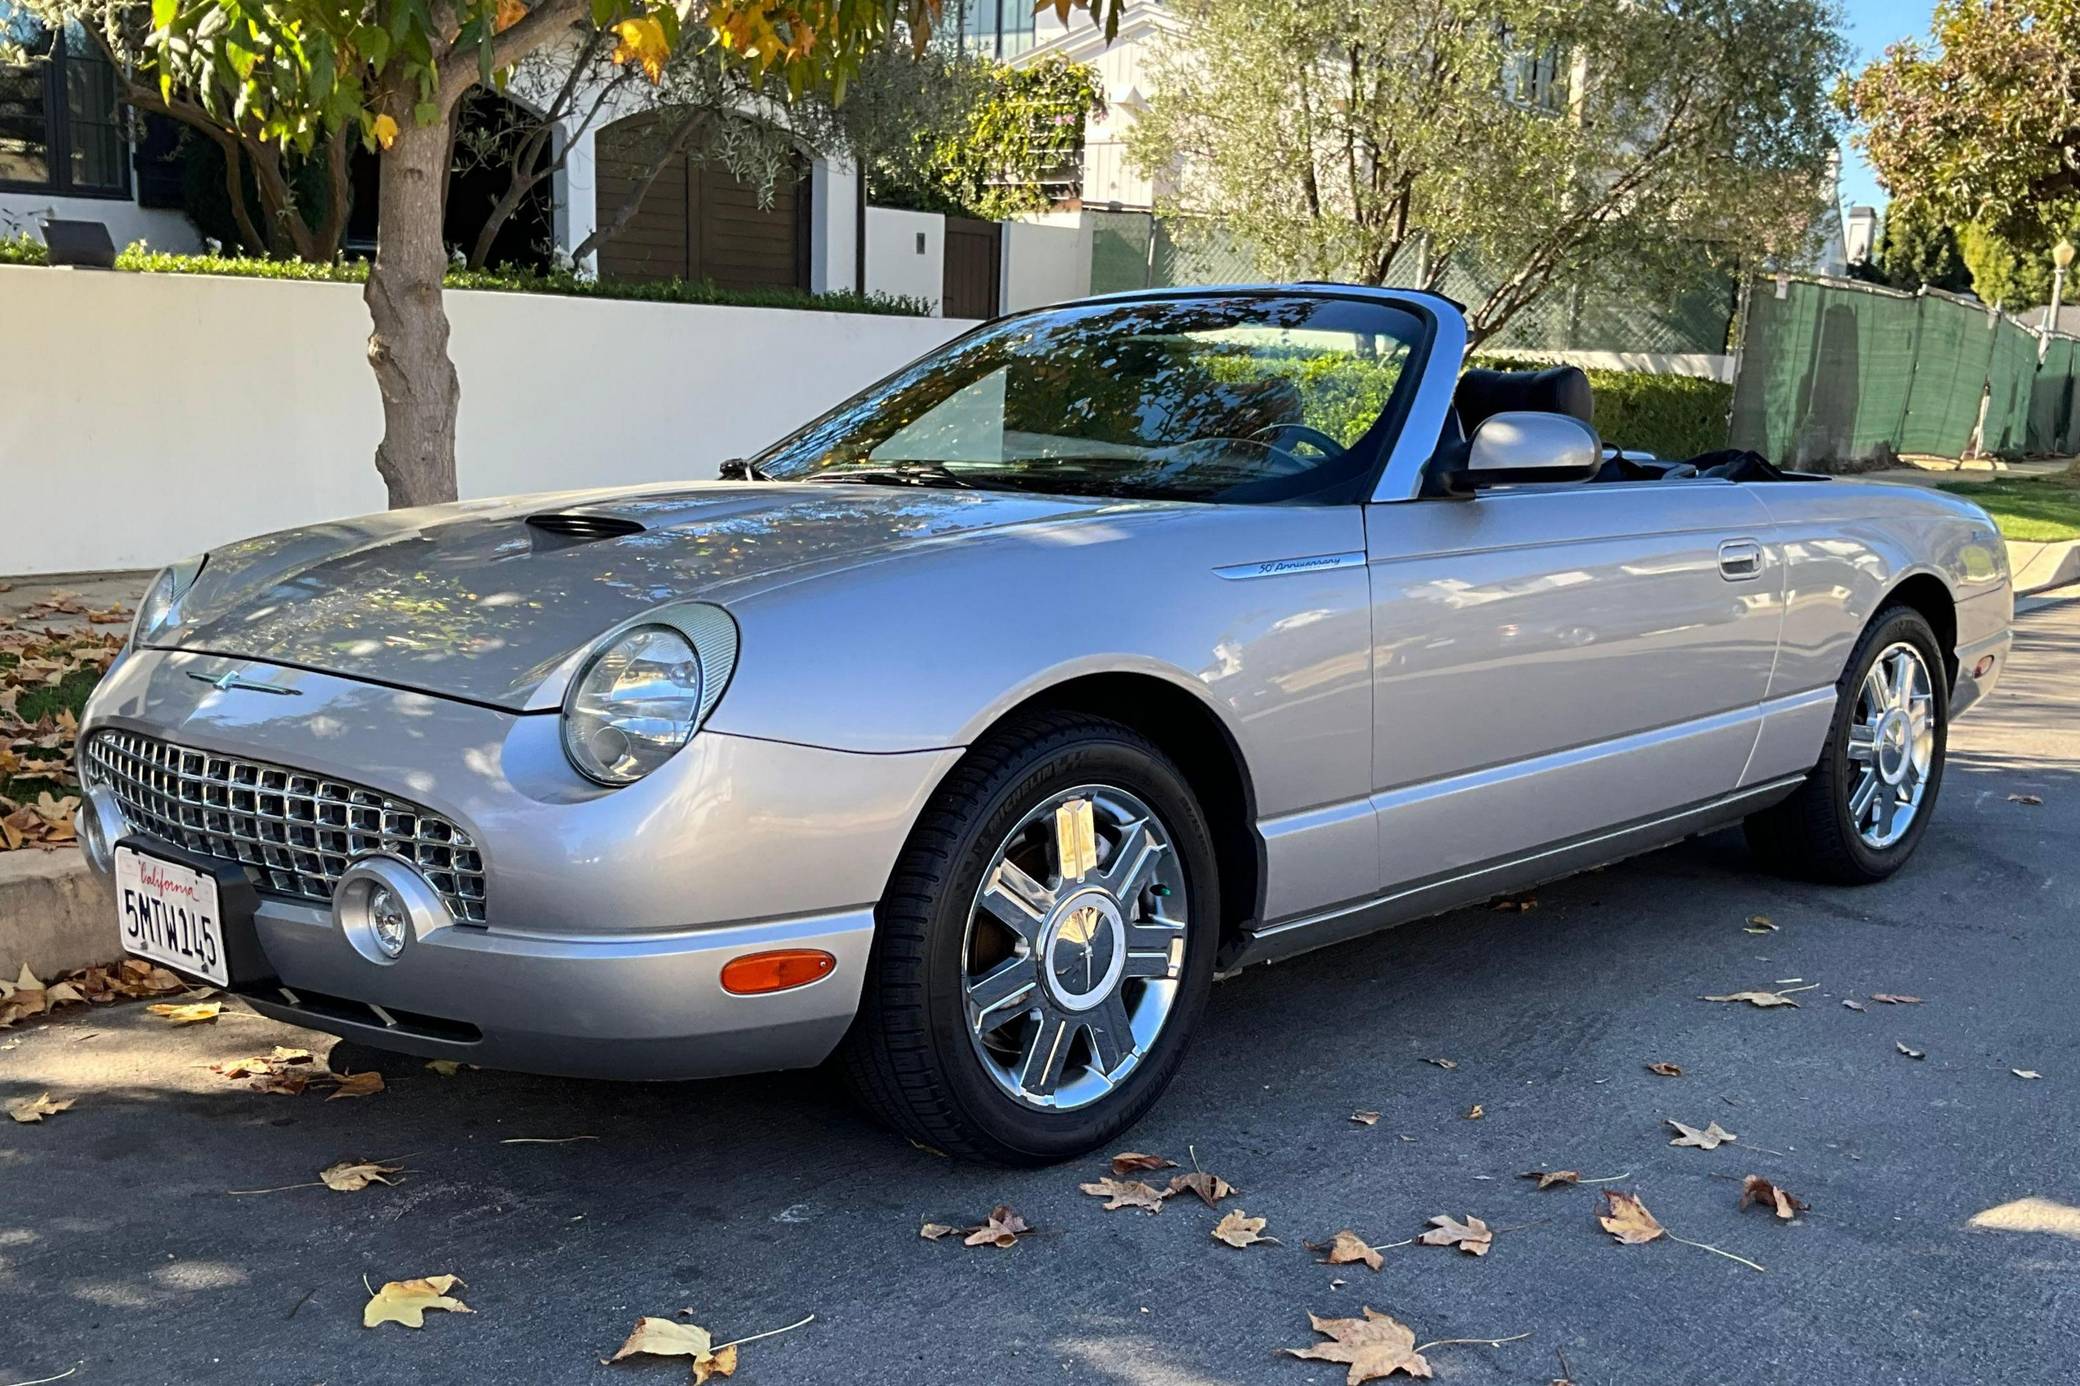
[382,904]
[387,919]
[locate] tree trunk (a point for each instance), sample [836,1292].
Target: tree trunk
[409,347]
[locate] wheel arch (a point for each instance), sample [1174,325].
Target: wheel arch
[1926,593]
[1194,735]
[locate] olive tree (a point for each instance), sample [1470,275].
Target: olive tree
[1527,139]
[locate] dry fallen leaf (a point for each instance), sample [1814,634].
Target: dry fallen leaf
[1628,1219]
[1760,924]
[193,1013]
[1910,1053]
[406,1301]
[1547,1178]
[1891,1000]
[1347,1248]
[31,1109]
[1711,1138]
[1665,1070]
[1853,1004]
[2025,799]
[1134,1162]
[1757,998]
[2025,1073]
[661,1337]
[1471,1236]
[1211,1188]
[1474,1113]
[1003,1229]
[1238,1229]
[1125,1193]
[365,1084]
[1374,1347]
[446,1068]
[1756,1189]
[1365,1118]
[1514,904]
[352,1176]
[1443,1063]
[933,1231]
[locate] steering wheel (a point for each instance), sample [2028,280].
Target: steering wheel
[1279,461]
[1284,436]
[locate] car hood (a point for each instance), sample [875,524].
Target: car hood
[485,600]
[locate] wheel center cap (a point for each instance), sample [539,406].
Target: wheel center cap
[1083,950]
[1893,757]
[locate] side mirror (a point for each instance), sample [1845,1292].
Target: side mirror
[1524,446]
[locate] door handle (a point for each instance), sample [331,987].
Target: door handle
[1740,560]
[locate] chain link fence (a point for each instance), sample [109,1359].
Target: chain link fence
[1836,373]
[1138,250]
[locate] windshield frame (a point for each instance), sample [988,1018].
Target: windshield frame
[1374,448]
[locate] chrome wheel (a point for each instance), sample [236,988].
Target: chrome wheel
[1074,947]
[1892,743]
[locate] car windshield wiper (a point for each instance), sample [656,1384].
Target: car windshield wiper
[900,473]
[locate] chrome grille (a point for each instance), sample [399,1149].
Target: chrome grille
[294,832]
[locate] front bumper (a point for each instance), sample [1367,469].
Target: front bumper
[609,913]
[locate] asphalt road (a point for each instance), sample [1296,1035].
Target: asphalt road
[756,1202]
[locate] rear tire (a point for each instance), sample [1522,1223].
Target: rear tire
[1863,809]
[1029,998]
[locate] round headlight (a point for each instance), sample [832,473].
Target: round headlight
[633,705]
[156,608]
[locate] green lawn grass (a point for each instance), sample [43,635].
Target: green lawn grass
[2038,509]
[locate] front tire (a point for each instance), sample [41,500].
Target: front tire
[1863,809]
[1045,948]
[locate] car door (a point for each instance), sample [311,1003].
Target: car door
[1553,662]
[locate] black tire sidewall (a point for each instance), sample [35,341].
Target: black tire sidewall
[1900,625]
[1020,1134]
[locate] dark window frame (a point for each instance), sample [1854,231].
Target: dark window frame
[58,142]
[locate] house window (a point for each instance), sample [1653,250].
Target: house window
[997,29]
[62,126]
[1535,78]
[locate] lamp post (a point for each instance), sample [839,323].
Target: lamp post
[2061,261]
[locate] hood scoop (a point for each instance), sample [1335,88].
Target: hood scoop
[555,530]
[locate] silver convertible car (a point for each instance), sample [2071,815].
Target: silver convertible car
[966,735]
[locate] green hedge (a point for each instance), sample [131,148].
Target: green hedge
[140,259]
[1667,415]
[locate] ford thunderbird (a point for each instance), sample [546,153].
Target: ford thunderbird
[966,735]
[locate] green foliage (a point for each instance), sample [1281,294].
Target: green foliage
[1916,246]
[1024,126]
[1671,416]
[1979,123]
[2014,272]
[143,260]
[1367,140]
[22,249]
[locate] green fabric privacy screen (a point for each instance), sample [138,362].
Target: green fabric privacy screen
[1833,371]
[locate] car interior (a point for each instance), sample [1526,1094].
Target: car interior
[1484,393]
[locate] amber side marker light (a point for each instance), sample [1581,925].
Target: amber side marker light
[754,974]
[1979,669]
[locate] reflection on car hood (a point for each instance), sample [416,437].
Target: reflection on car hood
[472,601]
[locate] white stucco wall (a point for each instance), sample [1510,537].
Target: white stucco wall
[125,220]
[175,412]
[1046,260]
[906,254]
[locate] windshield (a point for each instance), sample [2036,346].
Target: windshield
[1219,398]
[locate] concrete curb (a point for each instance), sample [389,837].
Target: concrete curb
[2036,567]
[54,916]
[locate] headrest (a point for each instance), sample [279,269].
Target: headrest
[1482,394]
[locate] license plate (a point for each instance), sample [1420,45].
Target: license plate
[168,913]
